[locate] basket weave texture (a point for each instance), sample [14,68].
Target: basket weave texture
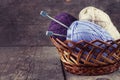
[97,61]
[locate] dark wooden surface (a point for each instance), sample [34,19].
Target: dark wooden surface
[38,63]
[29,63]
[21,24]
[112,76]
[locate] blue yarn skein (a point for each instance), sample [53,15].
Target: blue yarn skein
[88,31]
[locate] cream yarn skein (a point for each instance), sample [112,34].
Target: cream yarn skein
[101,18]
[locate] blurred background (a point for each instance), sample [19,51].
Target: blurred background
[22,25]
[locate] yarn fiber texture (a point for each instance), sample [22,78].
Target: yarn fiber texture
[101,18]
[66,19]
[88,31]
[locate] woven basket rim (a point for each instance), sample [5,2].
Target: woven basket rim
[69,57]
[81,64]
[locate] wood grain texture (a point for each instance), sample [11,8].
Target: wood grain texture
[29,63]
[21,24]
[112,76]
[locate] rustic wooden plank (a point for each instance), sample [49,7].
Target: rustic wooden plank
[29,63]
[112,76]
[8,56]
[47,65]
[21,23]
[24,64]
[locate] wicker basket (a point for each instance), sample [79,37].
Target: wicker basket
[77,62]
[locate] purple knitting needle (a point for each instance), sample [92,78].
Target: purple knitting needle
[45,14]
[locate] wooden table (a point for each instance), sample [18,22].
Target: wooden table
[38,63]
[29,63]
[21,25]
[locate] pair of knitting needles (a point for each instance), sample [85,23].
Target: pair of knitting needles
[50,33]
